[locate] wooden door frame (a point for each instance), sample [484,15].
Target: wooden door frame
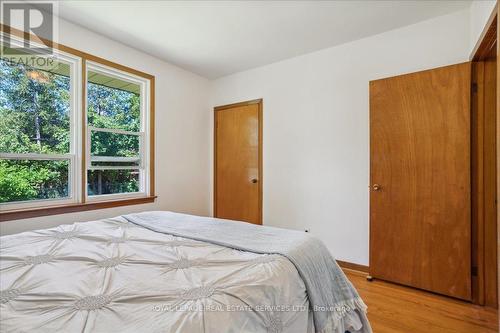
[259,102]
[497,12]
[484,46]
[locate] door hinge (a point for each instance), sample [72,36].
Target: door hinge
[474,271]
[474,88]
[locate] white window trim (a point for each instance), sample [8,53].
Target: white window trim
[144,136]
[73,156]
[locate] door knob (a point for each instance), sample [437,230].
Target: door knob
[376,187]
[254,180]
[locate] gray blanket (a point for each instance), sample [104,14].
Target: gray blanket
[335,303]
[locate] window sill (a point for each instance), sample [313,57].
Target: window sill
[72,208]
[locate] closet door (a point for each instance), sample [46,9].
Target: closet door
[238,162]
[420,215]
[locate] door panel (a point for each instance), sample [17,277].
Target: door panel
[238,179]
[420,159]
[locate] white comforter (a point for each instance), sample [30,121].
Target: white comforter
[114,276]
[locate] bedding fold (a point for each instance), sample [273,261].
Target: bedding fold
[335,304]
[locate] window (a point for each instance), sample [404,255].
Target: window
[76,132]
[116,132]
[38,145]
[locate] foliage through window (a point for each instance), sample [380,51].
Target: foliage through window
[35,107]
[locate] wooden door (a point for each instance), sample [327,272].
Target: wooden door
[420,215]
[238,162]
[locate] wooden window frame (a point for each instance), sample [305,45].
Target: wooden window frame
[84,204]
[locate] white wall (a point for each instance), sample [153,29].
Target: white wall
[316,125]
[182,151]
[480,11]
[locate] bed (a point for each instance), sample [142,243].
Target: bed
[113,275]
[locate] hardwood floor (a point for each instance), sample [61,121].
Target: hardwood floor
[397,309]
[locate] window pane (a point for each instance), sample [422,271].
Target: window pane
[112,181]
[113,103]
[114,144]
[22,180]
[34,107]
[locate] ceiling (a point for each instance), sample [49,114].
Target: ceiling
[217,38]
